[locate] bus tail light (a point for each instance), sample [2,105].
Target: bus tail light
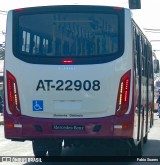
[13,96]
[123,94]
[67,61]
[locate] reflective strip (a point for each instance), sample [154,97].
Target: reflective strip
[17,125]
[117,126]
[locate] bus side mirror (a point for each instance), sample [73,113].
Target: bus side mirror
[156,66]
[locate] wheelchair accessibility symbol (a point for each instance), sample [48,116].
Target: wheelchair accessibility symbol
[37,105]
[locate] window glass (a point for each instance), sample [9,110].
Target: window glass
[69,34]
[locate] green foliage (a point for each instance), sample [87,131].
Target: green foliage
[2,52]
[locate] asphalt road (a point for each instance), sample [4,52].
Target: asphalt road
[20,149]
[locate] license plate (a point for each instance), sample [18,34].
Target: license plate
[69,127]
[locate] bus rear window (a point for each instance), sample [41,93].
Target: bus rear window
[70,34]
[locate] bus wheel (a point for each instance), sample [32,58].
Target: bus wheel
[123,152]
[137,150]
[39,148]
[145,139]
[55,148]
[152,120]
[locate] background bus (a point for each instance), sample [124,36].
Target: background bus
[81,75]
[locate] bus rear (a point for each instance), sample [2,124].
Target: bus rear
[68,75]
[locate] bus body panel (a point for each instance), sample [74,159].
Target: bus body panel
[62,102]
[107,127]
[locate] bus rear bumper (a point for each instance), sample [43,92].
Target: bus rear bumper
[24,127]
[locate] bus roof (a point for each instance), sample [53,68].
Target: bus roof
[76,2]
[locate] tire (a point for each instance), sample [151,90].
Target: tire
[145,139]
[39,148]
[137,150]
[152,121]
[124,152]
[55,148]
[47,147]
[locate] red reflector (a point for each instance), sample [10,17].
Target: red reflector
[67,61]
[125,126]
[9,125]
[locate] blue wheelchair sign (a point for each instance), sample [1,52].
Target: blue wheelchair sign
[37,105]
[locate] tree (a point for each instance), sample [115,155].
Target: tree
[2,50]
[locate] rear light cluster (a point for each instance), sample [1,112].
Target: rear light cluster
[13,96]
[123,94]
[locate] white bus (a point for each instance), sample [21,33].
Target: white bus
[81,75]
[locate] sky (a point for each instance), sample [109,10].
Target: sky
[147,17]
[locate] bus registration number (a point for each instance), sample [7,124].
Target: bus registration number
[68,85]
